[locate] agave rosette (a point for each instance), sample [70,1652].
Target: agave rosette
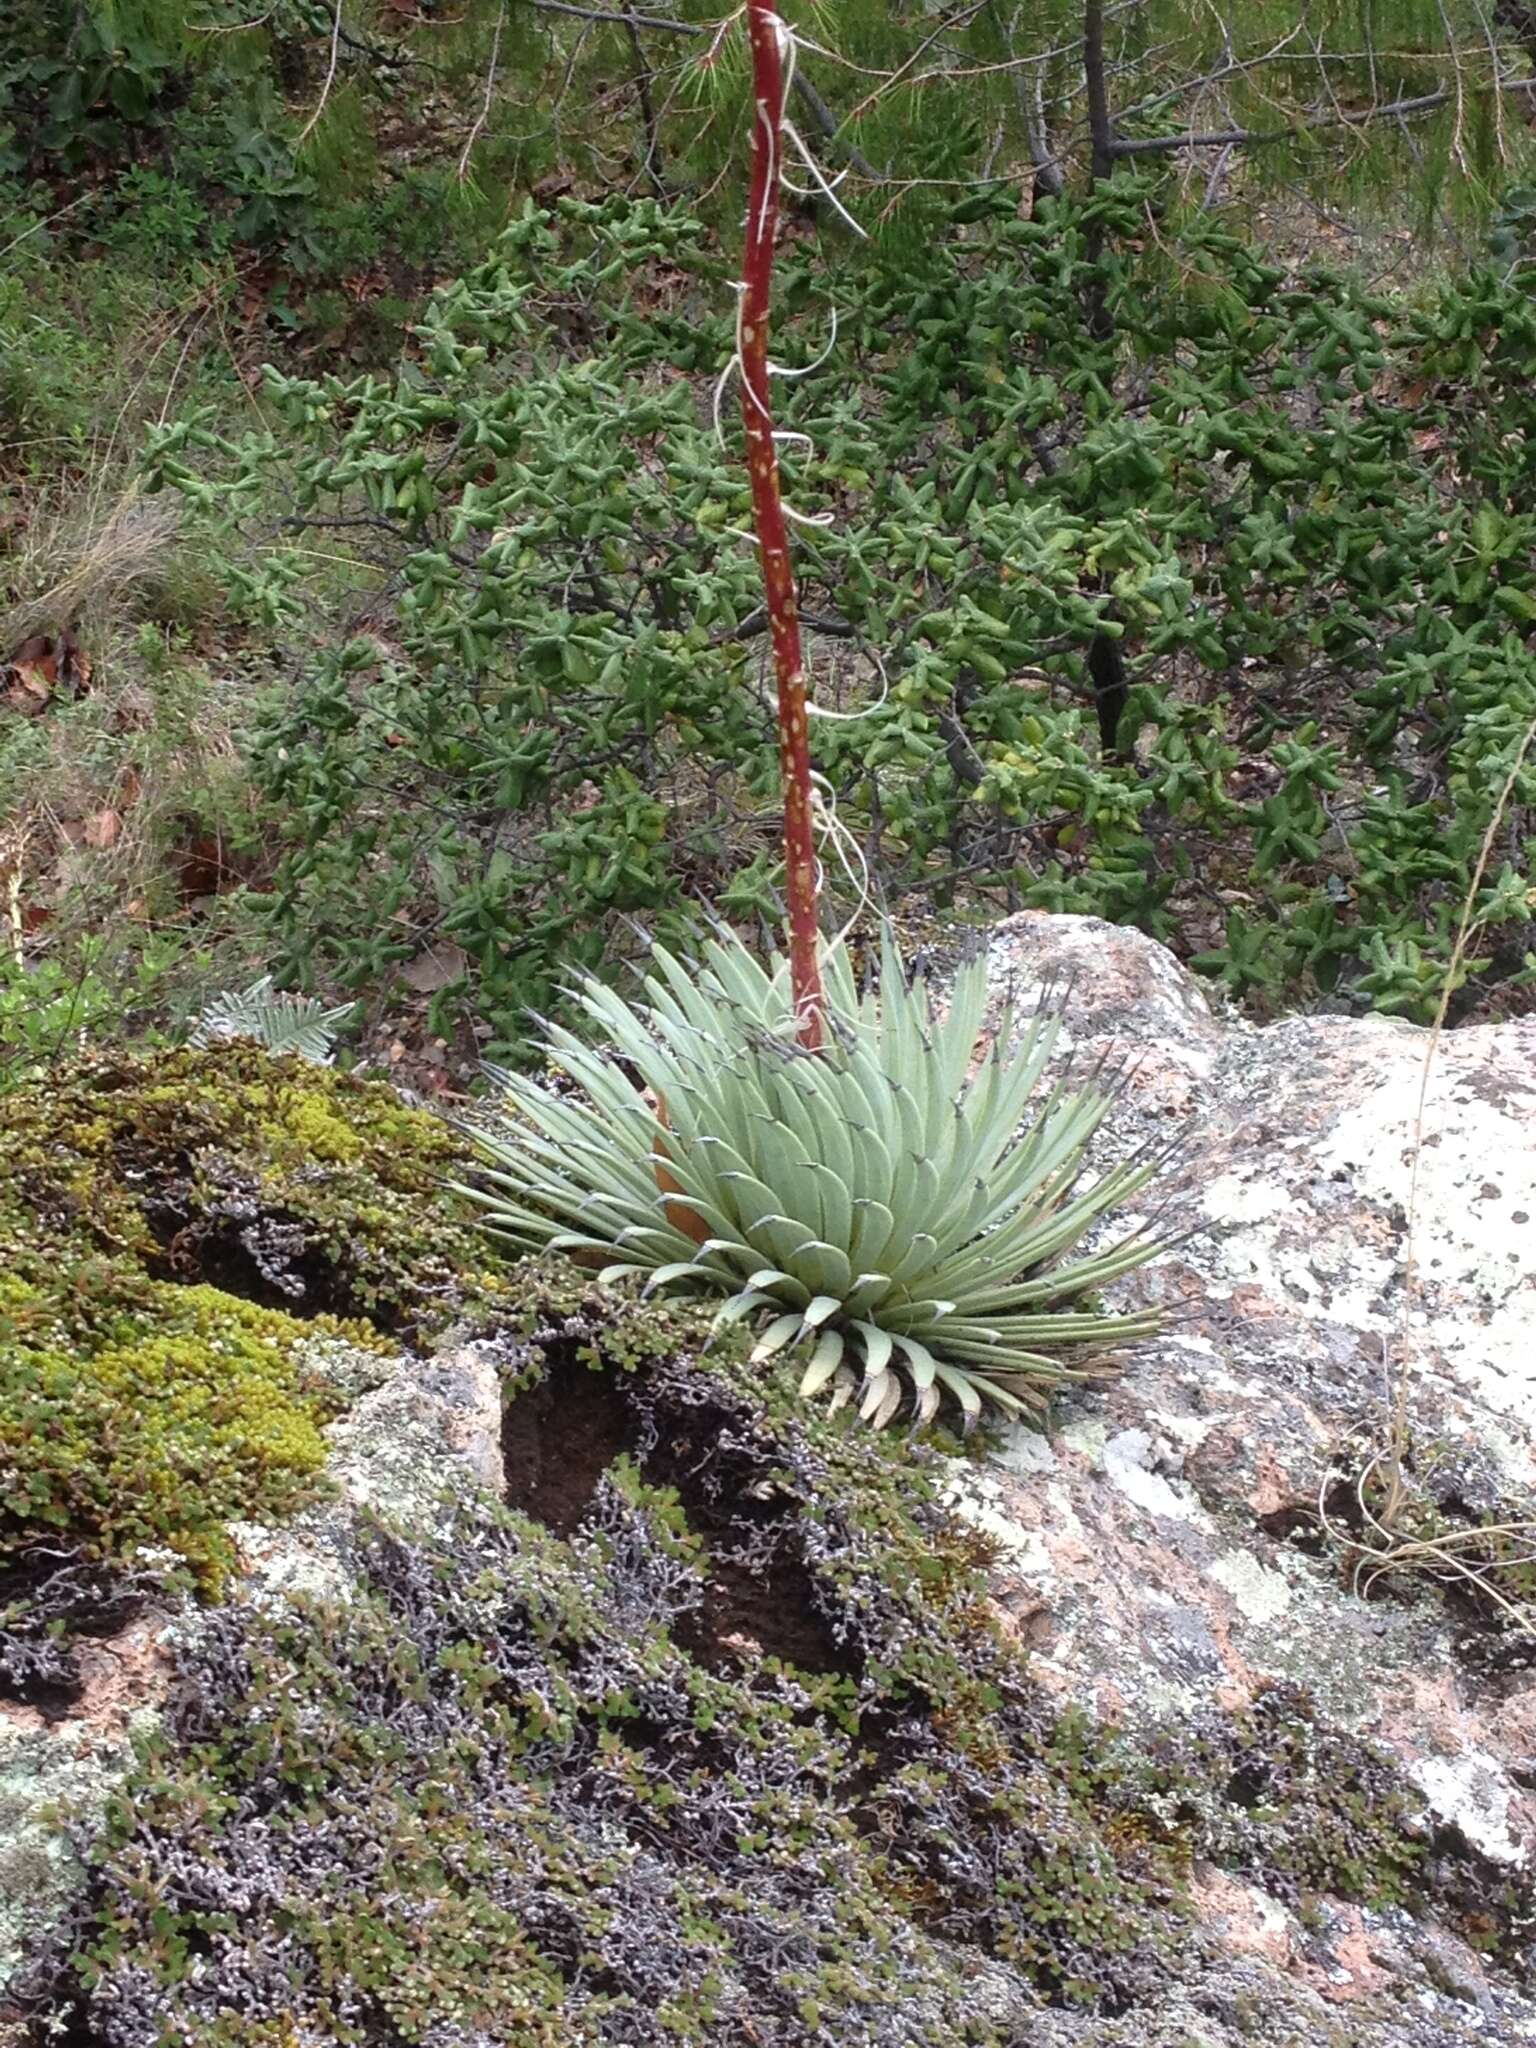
[896,1205]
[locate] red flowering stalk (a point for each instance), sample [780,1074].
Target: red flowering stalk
[769,84]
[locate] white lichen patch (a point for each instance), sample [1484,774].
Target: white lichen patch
[1264,1238]
[1472,1793]
[1025,1452]
[49,1778]
[1188,1431]
[1475,1214]
[297,1562]
[977,1500]
[1131,1459]
[1261,1595]
[407,1443]
[1085,1438]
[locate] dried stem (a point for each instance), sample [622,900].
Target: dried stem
[768,43]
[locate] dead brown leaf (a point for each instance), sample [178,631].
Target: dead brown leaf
[435,968]
[44,666]
[103,827]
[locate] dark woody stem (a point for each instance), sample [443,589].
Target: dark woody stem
[800,862]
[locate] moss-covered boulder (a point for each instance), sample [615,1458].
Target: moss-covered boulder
[185,1242]
[704,1733]
[688,1719]
[285,1184]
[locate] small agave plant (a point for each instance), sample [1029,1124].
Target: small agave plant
[898,1210]
[841,1169]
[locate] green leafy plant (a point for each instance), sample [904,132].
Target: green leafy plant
[876,1200]
[277,1022]
[1327,671]
[50,1008]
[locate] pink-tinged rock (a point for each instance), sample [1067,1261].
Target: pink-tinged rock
[1167,1549]
[1244,1919]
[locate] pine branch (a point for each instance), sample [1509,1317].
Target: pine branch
[1251,138]
[824,116]
[830,127]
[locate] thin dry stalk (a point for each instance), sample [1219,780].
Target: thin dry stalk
[1449,1555]
[1399,1552]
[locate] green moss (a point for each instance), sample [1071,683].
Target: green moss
[194,1411]
[175,1231]
[292,1184]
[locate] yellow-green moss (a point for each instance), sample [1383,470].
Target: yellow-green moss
[191,1414]
[174,1230]
[178,1161]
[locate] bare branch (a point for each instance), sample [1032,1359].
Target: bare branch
[1100,122]
[1247,138]
[485,106]
[330,77]
[831,127]
[618,17]
[1217,179]
[647,113]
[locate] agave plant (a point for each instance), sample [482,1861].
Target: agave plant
[884,1202]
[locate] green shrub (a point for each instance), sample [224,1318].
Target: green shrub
[520,771]
[1298,510]
[197,137]
[50,1009]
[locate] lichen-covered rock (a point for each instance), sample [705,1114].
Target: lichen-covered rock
[394,1453]
[51,1769]
[293,1186]
[1194,1536]
[402,1451]
[705,1736]
[674,1714]
[206,1259]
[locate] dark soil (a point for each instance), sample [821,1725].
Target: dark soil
[558,1439]
[561,1435]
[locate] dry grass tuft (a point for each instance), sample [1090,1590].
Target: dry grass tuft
[81,566]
